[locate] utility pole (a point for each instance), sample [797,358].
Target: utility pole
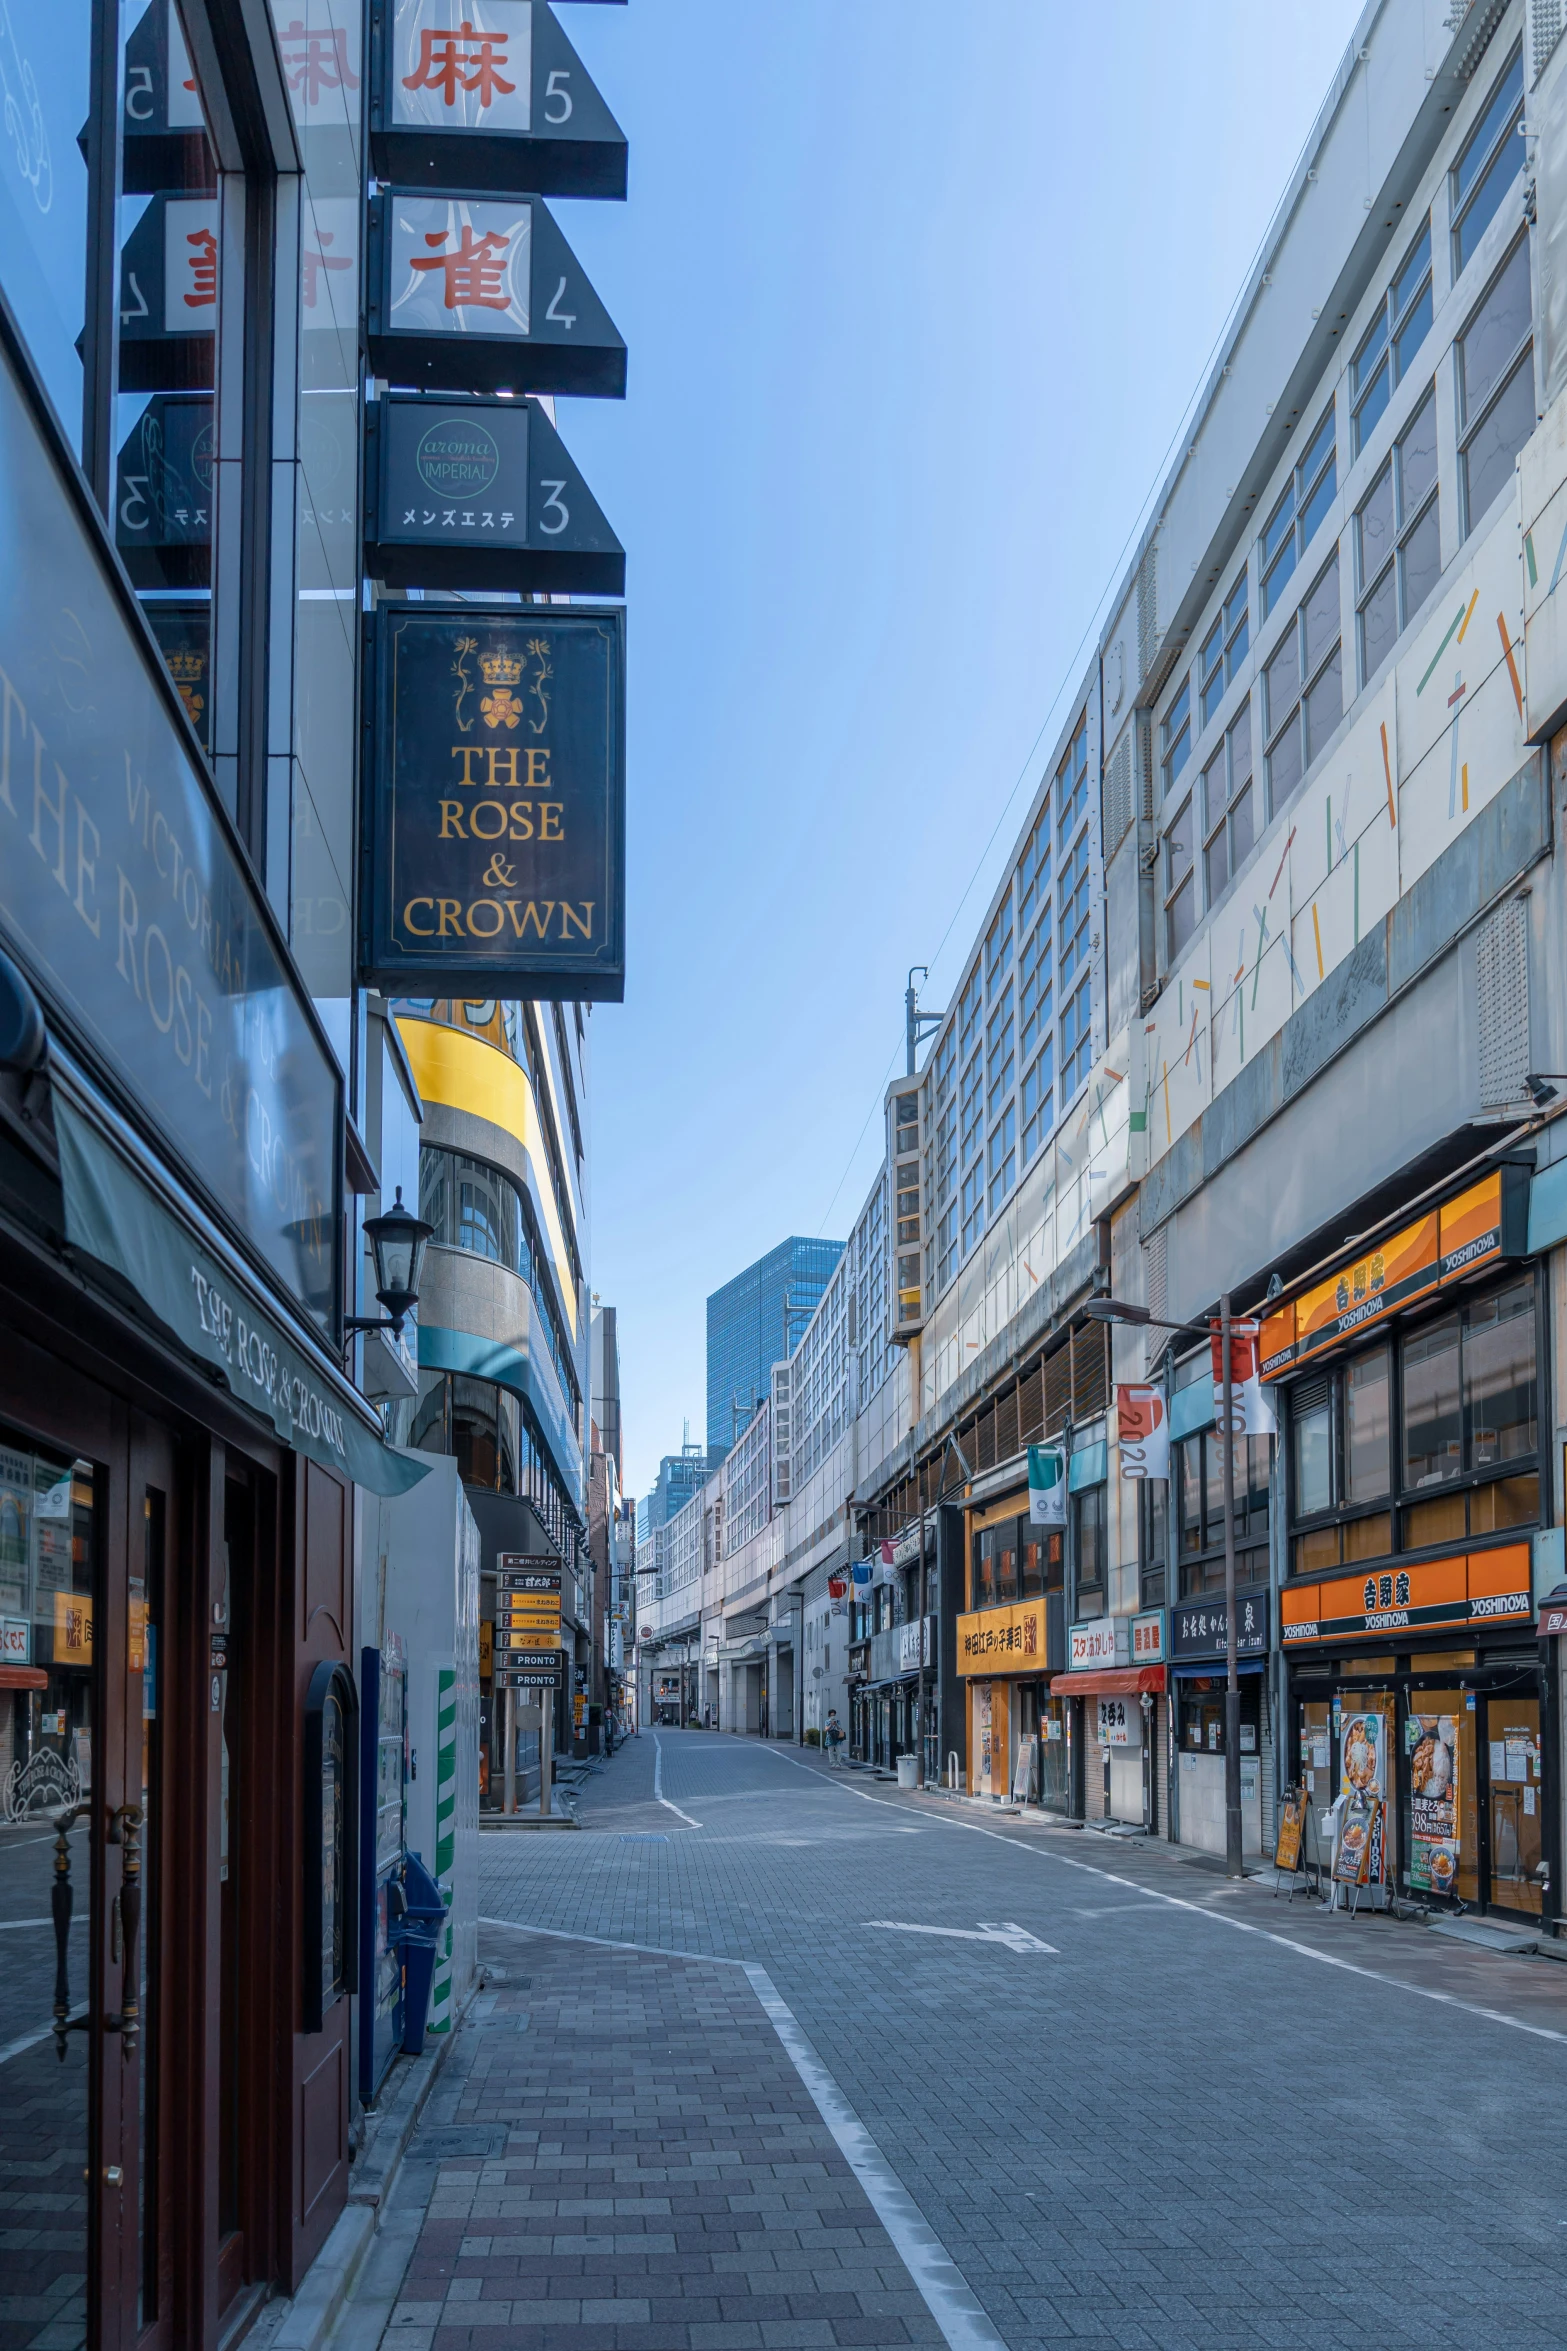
[1118,1310]
[1232,1688]
[917,1025]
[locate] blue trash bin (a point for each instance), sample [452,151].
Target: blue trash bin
[418,1935]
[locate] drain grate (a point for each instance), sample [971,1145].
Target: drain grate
[644,1837]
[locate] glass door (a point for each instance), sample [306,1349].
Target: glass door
[1514,1808]
[49,1900]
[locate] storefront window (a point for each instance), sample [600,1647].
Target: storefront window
[1454,1405]
[1199,1481]
[1088,1520]
[1313,1445]
[43,193]
[1367,1465]
[1201,1714]
[1153,1516]
[1433,1446]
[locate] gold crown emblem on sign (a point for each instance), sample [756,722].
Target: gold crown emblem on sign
[187,669]
[500,669]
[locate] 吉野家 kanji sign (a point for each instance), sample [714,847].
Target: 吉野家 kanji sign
[495,803]
[481,494]
[488,94]
[482,293]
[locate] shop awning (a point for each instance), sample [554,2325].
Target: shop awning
[1185,1667]
[23,1677]
[113,1216]
[1111,1681]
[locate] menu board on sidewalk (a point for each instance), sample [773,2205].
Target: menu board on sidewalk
[1352,1862]
[1291,1815]
[1433,1802]
[1023,1770]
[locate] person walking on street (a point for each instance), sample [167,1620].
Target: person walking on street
[833,1734]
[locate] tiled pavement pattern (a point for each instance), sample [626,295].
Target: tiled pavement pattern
[626,2160]
[1171,2134]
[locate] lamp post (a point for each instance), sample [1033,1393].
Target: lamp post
[1117,1310]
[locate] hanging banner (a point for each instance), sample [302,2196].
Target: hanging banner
[1143,1429]
[472,493]
[495,806]
[1251,1407]
[480,293]
[1047,1485]
[489,93]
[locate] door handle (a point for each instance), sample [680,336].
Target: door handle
[61,1902]
[125,1826]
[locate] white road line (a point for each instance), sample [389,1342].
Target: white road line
[1375,1975]
[9,1926]
[658,1785]
[1007,1933]
[943,2288]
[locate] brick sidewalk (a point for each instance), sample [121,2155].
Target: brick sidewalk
[626,2160]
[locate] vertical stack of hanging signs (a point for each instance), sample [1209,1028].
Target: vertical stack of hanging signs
[494,752]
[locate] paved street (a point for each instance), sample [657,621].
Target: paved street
[1184,2122]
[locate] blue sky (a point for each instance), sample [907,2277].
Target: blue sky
[915,296]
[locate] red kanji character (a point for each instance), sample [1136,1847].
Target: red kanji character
[473,272]
[203,269]
[442,56]
[316,61]
[316,262]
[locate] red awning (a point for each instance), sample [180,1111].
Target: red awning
[1111,1681]
[23,1677]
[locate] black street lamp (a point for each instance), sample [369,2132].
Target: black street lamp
[1116,1310]
[397,1239]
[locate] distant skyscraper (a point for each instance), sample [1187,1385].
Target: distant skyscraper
[679,1475]
[753,1322]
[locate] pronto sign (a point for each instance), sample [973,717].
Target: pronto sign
[495,817]
[1487,1223]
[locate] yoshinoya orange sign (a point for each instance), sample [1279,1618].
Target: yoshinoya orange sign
[1461,1593]
[1489,1220]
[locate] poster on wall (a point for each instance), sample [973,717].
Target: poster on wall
[984,1757]
[1363,1773]
[1433,1802]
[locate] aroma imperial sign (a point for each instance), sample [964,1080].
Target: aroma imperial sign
[495,816]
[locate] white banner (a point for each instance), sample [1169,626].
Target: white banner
[1143,1430]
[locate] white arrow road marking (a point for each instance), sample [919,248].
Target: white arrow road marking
[1006,1932]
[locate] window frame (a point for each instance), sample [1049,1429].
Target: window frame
[1470,427]
[1308,681]
[1291,509]
[1400,1499]
[1173,883]
[1224,823]
[1461,206]
[1406,522]
[1391,363]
